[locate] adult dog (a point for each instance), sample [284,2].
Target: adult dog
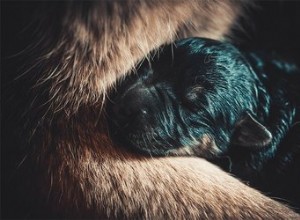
[206,98]
[58,159]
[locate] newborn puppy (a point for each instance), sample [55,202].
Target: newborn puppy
[206,98]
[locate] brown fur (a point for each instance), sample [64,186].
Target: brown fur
[99,42]
[80,171]
[205,147]
[99,179]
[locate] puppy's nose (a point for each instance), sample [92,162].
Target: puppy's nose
[129,108]
[124,111]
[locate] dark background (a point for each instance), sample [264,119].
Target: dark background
[270,25]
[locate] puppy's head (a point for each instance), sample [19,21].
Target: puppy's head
[193,98]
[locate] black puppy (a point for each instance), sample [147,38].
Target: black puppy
[206,98]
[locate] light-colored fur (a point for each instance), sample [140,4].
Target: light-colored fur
[97,49]
[99,179]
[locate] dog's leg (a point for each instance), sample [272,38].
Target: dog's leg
[93,44]
[99,179]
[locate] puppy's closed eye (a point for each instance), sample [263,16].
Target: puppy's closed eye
[191,96]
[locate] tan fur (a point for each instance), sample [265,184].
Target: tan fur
[83,173]
[204,147]
[97,50]
[101,179]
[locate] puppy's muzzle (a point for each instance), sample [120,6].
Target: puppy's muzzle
[131,107]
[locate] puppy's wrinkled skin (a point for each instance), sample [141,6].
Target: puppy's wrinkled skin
[59,161]
[206,98]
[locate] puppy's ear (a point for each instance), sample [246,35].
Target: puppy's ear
[250,133]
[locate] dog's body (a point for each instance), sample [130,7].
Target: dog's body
[57,158]
[205,98]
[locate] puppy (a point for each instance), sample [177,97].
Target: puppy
[205,98]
